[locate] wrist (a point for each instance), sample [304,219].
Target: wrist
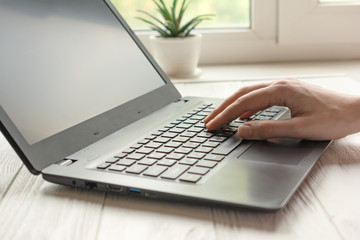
[354,113]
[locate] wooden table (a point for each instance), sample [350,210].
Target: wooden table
[327,205]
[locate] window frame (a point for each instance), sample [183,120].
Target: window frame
[315,22]
[264,41]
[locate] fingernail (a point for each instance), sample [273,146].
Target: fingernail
[245,131]
[208,124]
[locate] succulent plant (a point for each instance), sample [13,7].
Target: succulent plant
[170,24]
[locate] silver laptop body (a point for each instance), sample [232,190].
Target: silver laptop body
[77,87]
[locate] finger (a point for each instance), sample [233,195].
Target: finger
[266,129]
[248,114]
[254,101]
[233,98]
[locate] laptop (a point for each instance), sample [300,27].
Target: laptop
[83,103]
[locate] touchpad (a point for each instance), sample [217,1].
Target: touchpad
[281,150]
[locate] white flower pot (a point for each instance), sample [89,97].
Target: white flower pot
[178,57]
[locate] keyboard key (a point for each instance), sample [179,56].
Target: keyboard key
[103,166]
[136,169]
[144,141]
[191,145]
[199,125]
[135,156]
[136,146]
[183,150]
[211,144]
[161,140]
[155,171]
[203,149]
[183,126]
[151,137]
[224,134]
[190,121]
[217,139]
[206,111]
[145,150]
[169,135]
[147,161]
[194,129]
[198,140]
[177,130]
[181,139]
[196,155]
[228,146]
[153,145]
[198,118]
[188,115]
[157,133]
[234,125]
[121,155]
[117,168]
[166,162]
[129,150]
[203,113]
[199,170]
[180,119]
[125,162]
[157,155]
[216,158]
[173,144]
[163,129]
[188,134]
[166,150]
[192,178]
[207,164]
[174,172]
[188,161]
[230,129]
[205,135]
[239,121]
[175,156]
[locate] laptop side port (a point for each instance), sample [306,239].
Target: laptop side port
[134,190]
[113,188]
[90,185]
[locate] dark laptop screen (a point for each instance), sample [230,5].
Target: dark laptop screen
[65,61]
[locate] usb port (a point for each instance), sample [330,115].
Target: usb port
[134,190]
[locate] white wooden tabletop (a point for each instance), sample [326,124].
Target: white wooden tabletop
[326,206]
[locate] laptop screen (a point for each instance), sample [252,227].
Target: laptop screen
[65,61]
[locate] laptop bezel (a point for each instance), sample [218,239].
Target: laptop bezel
[56,147]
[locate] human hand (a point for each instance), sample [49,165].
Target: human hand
[316,113]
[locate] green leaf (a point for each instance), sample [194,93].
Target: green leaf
[181,12]
[164,13]
[165,9]
[162,32]
[191,22]
[173,12]
[170,26]
[154,18]
[153,25]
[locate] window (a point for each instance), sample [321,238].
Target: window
[311,21]
[229,13]
[271,30]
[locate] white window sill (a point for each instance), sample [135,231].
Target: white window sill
[259,71]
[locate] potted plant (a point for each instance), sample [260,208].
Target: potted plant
[176,48]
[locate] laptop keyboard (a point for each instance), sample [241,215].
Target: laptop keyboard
[183,150]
